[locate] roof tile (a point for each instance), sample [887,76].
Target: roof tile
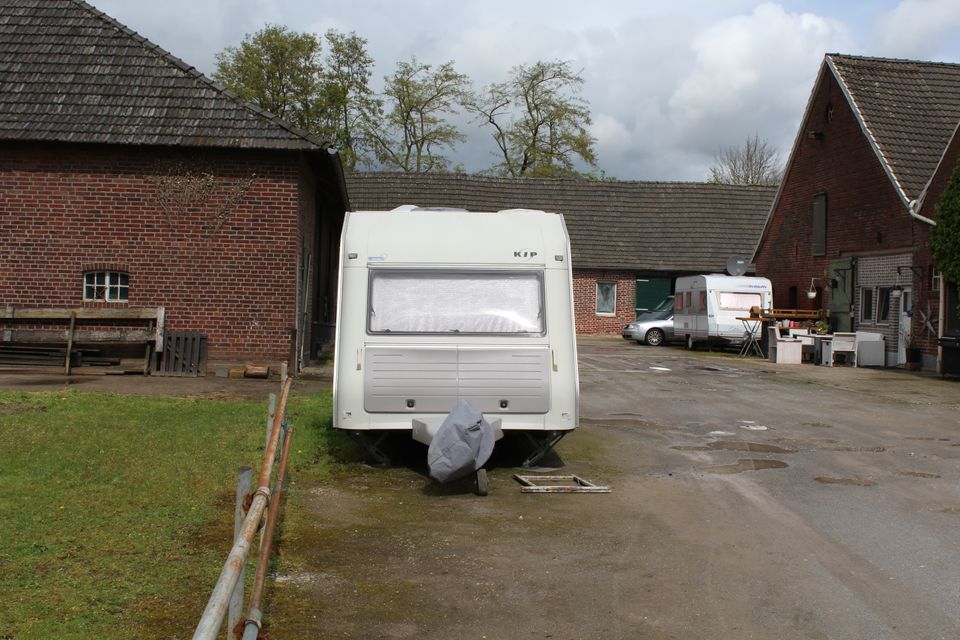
[910,107]
[643,226]
[70,73]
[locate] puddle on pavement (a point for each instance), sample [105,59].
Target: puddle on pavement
[690,447]
[858,449]
[746,464]
[753,447]
[854,482]
[623,422]
[819,425]
[918,438]
[918,474]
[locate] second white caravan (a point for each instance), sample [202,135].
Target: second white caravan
[707,307]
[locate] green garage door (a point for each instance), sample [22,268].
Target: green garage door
[651,292]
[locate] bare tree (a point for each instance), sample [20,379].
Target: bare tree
[416,129]
[756,162]
[538,120]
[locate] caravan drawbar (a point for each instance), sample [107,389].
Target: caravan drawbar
[438,306]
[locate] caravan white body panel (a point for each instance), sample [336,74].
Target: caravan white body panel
[707,307]
[435,306]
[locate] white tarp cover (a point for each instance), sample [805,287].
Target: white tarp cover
[447,302]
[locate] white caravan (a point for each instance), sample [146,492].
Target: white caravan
[438,305]
[706,307]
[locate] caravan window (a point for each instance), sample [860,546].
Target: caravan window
[435,301]
[730,301]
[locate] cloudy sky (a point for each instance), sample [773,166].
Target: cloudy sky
[669,83]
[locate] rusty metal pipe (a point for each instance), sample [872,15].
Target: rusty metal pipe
[251,627]
[216,609]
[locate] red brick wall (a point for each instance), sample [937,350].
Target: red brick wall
[930,297]
[68,208]
[585,300]
[864,213]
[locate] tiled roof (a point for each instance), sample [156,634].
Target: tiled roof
[909,108]
[70,73]
[644,226]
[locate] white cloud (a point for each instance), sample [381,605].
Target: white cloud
[917,28]
[668,83]
[752,74]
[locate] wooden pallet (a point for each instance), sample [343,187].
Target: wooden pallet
[184,354]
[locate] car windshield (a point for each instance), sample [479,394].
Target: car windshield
[655,315]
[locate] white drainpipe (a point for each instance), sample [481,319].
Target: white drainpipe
[912,210]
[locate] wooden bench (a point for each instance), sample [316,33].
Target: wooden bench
[65,326]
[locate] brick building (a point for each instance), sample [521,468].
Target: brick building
[851,220]
[630,240]
[127,178]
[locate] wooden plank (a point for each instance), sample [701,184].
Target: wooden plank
[70,332]
[46,336]
[161,317]
[85,313]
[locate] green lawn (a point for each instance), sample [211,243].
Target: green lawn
[116,511]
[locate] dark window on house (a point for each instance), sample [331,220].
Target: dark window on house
[110,286]
[866,305]
[606,298]
[792,301]
[883,304]
[820,224]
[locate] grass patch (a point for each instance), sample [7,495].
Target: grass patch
[117,510]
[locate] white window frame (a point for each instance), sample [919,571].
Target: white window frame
[606,313]
[106,286]
[936,279]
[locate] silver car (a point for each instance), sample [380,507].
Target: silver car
[653,327]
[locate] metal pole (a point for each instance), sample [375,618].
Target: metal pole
[271,409]
[252,626]
[244,478]
[216,609]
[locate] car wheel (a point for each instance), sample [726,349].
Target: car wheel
[654,337]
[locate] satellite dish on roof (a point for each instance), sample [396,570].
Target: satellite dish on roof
[736,265]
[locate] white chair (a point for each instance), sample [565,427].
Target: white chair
[871,349]
[842,343]
[782,350]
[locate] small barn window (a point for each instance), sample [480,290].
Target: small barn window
[935,279]
[819,247]
[606,298]
[110,286]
